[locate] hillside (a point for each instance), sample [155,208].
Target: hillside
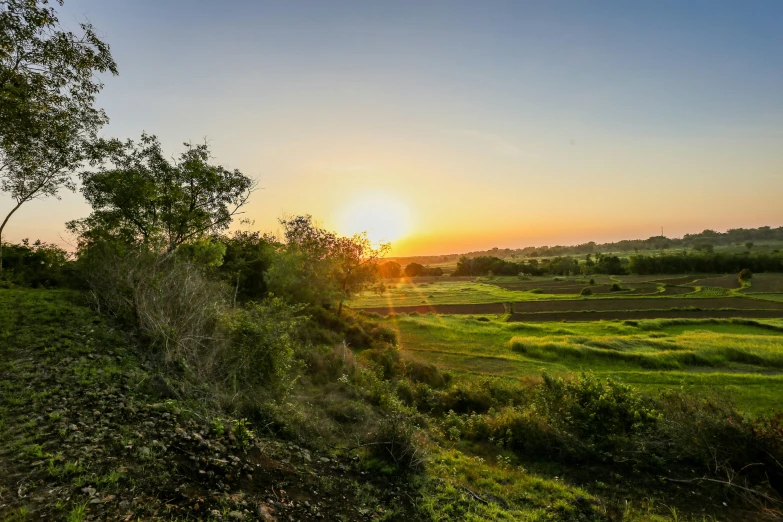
[88,432]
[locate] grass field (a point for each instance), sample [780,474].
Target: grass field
[504,289]
[741,358]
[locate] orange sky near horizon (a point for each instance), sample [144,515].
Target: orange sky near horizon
[447,130]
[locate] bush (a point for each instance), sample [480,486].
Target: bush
[586,291]
[262,344]
[598,412]
[615,287]
[35,265]
[745,275]
[396,441]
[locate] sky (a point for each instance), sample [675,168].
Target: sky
[452,126]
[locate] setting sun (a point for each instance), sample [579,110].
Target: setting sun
[383,216]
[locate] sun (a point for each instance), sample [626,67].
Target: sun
[383,216]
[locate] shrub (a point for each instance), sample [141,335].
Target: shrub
[35,265]
[745,275]
[396,441]
[615,287]
[586,291]
[262,338]
[598,412]
[592,281]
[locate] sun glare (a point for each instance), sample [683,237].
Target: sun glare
[382,216]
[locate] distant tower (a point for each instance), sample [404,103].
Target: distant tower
[661,231]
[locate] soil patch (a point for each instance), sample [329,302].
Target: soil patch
[644,314]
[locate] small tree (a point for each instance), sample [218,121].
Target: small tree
[143,198]
[47,118]
[749,245]
[356,264]
[414,270]
[745,275]
[390,269]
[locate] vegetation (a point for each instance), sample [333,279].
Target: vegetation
[169,370]
[48,124]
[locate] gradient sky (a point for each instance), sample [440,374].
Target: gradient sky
[476,124]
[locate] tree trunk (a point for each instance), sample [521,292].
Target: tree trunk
[2,227]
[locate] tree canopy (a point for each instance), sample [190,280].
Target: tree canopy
[138,195]
[47,118]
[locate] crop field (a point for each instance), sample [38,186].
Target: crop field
[700,331]
[406,295]
[740,358]
[765,283]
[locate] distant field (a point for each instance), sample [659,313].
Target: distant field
[741,358]
[765,283]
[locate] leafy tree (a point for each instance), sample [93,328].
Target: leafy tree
[390,269]
[141,197]
[318,267]
[749,245]
[414,269]
[302,268]
[356,264]
[247,256]
[745,275]
[47,118]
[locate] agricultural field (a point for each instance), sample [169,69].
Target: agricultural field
[582,299]
[740,358]
[702,331]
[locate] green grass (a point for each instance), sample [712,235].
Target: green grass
[739,357]
[447,292]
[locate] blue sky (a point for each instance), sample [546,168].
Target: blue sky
[488,123]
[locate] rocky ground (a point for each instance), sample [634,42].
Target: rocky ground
[87,433]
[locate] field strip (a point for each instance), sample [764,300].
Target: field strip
[585,316]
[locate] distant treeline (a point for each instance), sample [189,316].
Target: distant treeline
[675,263]
[701,240]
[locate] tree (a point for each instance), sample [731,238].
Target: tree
[356,264]
[141,197]
[47,117]
[749,245]
[390,269]
[318,267]
[414,270]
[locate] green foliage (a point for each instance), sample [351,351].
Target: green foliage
[597,411]
[586,291]
[263,341]
[49,85]
[141,197]
[418,270]
[615,287]
[319,268]
[397,441]
[745,275]
[247,257]
[390,270]
[35,265]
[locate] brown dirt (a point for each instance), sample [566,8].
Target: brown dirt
[488,308]
[765,283]
[642,288]
[679,280]
[644,314]
[724,281]
[678,290]
[431,279]
[583,305]
[644,304]
[543,285]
